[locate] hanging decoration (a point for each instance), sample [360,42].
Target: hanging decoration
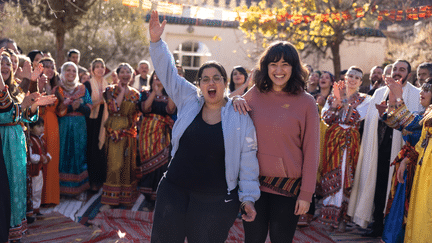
[414,14]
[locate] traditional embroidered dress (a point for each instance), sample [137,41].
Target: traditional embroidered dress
[398,203]
[51,183]
[340,156]
[419,224]
[120,185]
[154,142]
[15,156]
[73,141]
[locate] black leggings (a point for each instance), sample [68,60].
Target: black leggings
[199,217]
[274,213]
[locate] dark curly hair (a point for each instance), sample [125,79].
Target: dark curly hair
[275,52]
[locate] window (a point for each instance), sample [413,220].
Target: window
[190,55]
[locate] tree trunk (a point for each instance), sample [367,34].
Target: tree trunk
[60,39]
[336,59]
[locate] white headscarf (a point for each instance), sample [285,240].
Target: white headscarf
[68,86]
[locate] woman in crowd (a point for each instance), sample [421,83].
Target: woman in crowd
[397,116]
[418,222]
[51,184]
[325,86]
[344,110]
[313,83]
[96,160]
[238,81]
[74,104]
[35,56]
[200,195]
[122,103]
[154,139]
[287,123]
[13,139]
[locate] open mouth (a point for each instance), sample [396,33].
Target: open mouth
[397,77]
[212,93]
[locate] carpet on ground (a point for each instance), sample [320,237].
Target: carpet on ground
[137,228]
[55,227]
[92,207]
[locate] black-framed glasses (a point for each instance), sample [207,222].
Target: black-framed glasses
[216,79]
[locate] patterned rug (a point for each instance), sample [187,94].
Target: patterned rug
[55,227]
[137,228]
[92,207]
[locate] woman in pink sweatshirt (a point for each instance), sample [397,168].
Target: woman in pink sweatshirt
[287,124]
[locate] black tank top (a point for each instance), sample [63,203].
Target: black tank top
[199,163]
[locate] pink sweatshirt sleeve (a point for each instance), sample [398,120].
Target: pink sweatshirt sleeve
[310,149]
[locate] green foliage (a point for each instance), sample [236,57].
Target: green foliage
[108,30]
[19,29]
[112,32]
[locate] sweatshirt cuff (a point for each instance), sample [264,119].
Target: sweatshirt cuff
[305,196]
[155,44]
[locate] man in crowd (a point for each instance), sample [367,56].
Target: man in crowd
[375,80]
[74,56]
[380,145]
[424,71]
[142,80]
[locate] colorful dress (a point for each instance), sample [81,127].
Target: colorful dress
[398,203]
[154,144]
[419,224]
[340,156]
[51,183]
[73,141]
[15,157]
[5,200]
[120,142]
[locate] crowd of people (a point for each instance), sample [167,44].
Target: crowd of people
[269,143]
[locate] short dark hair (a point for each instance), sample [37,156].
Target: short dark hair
[405,61]
[243,71]
[212,64]
[426,65]
[275,52]
[39,122]
[72,51]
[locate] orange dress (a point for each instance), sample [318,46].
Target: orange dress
[51,184]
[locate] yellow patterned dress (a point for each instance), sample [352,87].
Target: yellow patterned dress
[120,185]
[419,223]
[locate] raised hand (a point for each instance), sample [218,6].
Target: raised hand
[155,28]
[395,87]
[37,72]
[26,70]
[45,100]
[382,107]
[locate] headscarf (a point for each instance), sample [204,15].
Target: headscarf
[68,86]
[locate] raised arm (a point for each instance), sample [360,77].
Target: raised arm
[177,88]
